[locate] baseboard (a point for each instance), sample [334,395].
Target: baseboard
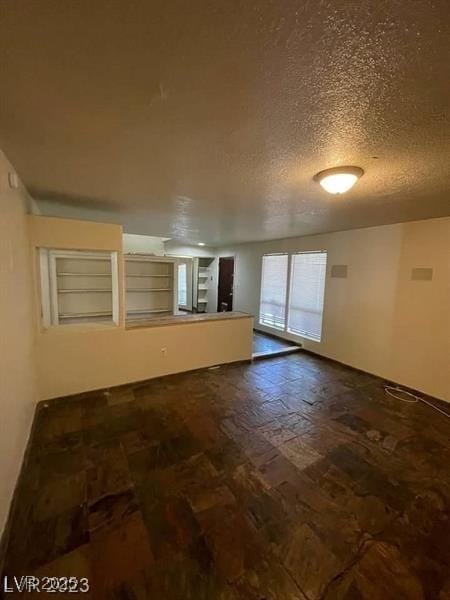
[439,402]
[442,404]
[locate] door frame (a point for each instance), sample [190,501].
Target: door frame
[188,262]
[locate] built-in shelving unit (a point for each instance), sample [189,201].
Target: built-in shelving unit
[202,280]
[78,287]
[149,286]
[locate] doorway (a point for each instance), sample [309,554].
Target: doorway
[184,287]
[225,287]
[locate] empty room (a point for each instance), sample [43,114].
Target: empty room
[225,300]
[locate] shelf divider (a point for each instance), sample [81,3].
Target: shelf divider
[84,291]
[78,274]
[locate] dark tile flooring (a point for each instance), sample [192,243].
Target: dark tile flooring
[266,343]
[287,479]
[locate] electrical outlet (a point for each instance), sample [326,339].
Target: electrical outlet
[13,180]
[164,352]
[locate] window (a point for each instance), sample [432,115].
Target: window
[182,285]
[303,274]
[273,290]
[306,294]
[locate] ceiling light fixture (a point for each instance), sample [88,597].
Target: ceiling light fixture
[201,243]
[339,179]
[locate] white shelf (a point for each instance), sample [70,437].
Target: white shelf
[147,259]
[203,274]
[90,296]
[84,291]
[149,284]
[100,313]
[141,259]
[149,290]
[84,274]
[144,311]
[86,256]
[131,275]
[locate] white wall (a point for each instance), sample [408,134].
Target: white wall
[377,319]
[145,244]
[17,381]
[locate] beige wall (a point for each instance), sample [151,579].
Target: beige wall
[70,234]
[72,359]
[76,361]
[17,381]
[377,319]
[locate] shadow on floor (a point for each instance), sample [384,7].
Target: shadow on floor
[267,346]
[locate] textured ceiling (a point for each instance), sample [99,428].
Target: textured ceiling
[208,120]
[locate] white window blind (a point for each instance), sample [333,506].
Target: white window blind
[308,271]
[182,285]
[272,312]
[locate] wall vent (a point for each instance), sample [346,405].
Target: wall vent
[339,271]
[422,274]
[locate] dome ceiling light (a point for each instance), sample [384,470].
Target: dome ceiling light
[339,179]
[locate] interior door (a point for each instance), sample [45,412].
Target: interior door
[225,287]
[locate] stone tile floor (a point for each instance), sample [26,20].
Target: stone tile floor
[288,479]
[267,343]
